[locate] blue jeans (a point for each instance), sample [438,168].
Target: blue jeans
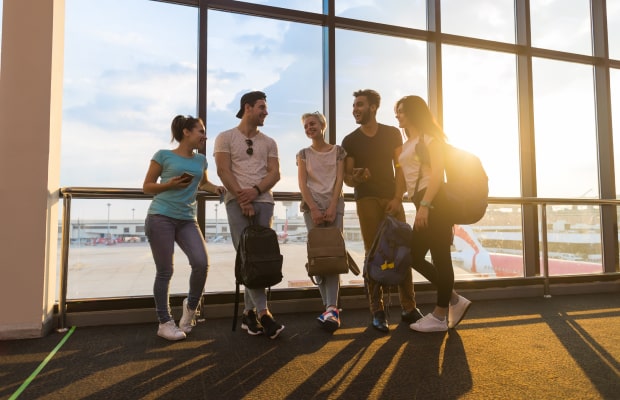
[162,233]
[252,298]
[329,285]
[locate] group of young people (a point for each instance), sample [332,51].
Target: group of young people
[372,159]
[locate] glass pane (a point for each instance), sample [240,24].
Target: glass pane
[394,67]
[492,248]
[407,13]
[566,154]
[613,28]
[561,25]
[119,101]
[574,240]
[480,112]
[614,76]
[315,6]
[284,60]
[484,19]
[1,8]
[115,249]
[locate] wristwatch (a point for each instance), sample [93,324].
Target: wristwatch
[426,204]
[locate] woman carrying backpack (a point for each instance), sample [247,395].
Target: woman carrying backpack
[174,177]
[320,175]
[422,162]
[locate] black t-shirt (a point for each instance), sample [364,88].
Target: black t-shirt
[375,153]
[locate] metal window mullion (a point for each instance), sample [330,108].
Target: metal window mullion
[329,69]
[434,66]
[604,135]
[527,143]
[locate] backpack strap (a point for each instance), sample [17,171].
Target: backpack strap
[236,312]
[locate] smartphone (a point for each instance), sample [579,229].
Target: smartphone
[187,176]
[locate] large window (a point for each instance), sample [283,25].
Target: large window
[407,13]
[392,66]
[486,19]
[480,112]
[143,68]
[118,101]
[561,25]
[613,28]
[566,156]
[281,58]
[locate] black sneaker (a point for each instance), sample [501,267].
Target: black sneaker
[250,323]
[411,316]
[272,328]
[379,322]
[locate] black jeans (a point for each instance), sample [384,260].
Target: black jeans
[436,238]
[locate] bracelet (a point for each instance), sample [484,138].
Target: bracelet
[257,189]
[426,204]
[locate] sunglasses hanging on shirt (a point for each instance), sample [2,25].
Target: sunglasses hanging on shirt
[250,150]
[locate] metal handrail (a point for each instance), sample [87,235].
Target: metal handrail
[69,193]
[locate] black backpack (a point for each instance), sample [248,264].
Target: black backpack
[466,186]
[258,263]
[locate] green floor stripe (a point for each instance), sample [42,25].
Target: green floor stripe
[41,366]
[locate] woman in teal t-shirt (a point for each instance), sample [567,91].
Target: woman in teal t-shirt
[174,177]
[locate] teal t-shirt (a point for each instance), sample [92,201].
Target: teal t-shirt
[178,203]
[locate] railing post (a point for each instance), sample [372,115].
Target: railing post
[64,263]
[544,250]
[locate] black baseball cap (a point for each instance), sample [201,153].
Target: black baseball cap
[249,98]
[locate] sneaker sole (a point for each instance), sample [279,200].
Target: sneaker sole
[245,327]
[277,332]
[453,325]
[381,329]
[330,326]
[172,339]
[428,330]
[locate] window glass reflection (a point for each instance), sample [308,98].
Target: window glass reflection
[574,240]
[118,102]
[561,25]
[394,67]
[480,112]
[407,13]
[566,155]
[301,5]
[614,76]
[284,60]
[613,28]
[484,19]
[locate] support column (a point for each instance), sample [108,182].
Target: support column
[31,73]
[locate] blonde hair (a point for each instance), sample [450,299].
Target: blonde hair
[317,115]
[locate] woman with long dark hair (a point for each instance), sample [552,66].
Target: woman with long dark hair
[422,162]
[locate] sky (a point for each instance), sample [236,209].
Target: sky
[141,70]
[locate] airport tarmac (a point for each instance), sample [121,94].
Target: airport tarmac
[127,269]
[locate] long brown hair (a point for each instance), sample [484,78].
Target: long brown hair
[417,112]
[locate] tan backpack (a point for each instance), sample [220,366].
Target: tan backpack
[327,254]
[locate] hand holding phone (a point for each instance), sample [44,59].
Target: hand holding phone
[186,177]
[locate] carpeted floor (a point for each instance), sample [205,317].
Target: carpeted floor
[566,347]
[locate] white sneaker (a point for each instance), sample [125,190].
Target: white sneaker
[429,323]
[188,320]
[170,331]
[457,311]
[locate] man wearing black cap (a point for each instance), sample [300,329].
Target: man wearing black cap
[247,163]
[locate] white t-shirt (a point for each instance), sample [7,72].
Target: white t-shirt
[322,170]
[410,163]
[248,170]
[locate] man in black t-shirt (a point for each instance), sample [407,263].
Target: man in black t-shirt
[370,167]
